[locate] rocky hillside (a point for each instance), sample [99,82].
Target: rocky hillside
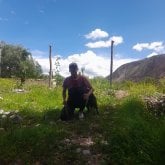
[153,67]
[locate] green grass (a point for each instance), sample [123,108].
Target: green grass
[123,133]
[137,137]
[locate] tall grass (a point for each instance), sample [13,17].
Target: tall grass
[123,133]
[137,137]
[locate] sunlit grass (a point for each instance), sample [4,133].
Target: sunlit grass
[123,133]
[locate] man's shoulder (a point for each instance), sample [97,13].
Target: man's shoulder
[67,78]
[83,77]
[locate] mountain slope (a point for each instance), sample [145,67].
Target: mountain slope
[153,67]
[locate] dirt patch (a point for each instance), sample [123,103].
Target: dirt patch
[121,94]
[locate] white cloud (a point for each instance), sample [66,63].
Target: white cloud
[104,44]
[152,54]
[94,65]
[97,34]
[98,44]
[140,46]
[155,47]
[117,39]
[158,46]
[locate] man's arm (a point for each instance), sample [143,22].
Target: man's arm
[89,86]
[86,95]
[64,95]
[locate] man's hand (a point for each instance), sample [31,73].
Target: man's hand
[86,96]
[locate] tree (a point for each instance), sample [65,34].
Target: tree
[18,62]
[57,76]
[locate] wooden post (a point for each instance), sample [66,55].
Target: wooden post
[111,63]
[0,59]
[50,61]
[1,46]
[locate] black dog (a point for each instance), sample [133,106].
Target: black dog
[64,116]
[91,105]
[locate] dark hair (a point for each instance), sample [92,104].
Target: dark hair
[73,66]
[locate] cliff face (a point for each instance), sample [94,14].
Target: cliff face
[153,67]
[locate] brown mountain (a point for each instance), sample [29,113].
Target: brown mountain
[153,67]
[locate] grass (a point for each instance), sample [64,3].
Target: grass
[123,133]
[138,137]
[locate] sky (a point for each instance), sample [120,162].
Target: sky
[81,31]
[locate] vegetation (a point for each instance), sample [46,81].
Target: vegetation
[123,133]
[17,61]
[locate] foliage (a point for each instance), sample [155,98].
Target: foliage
[18,62]
[161,87]
[58,78]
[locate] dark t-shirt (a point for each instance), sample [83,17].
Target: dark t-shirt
[76,88]
[80,81]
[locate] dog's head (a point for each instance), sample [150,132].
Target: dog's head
[64,114]
[92,103]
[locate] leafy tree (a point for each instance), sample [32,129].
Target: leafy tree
[18,62]
[58,78]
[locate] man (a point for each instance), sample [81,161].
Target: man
[79,89]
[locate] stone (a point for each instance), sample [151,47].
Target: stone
[86,152]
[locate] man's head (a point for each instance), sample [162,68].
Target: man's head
[73,68]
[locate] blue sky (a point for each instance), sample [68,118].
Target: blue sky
[81,31]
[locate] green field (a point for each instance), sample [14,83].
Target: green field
[124,132]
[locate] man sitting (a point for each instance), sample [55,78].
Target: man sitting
[79,89]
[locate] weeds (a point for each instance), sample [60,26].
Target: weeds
[123,133]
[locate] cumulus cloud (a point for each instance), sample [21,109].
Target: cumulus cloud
[97,34]
[104,44]
[155,47]
[94,64]
[117,39]
[140,46]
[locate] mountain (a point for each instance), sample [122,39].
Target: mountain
[153,67]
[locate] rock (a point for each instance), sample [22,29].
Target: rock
[16,119]
[67,140]
[1,111]
[4,116]
[6,113]
[86,152]
[19,90]
[37,125]
[78,150]
[2,129]
[156,104]
[104,142]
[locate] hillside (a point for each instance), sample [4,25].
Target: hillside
[153,67]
